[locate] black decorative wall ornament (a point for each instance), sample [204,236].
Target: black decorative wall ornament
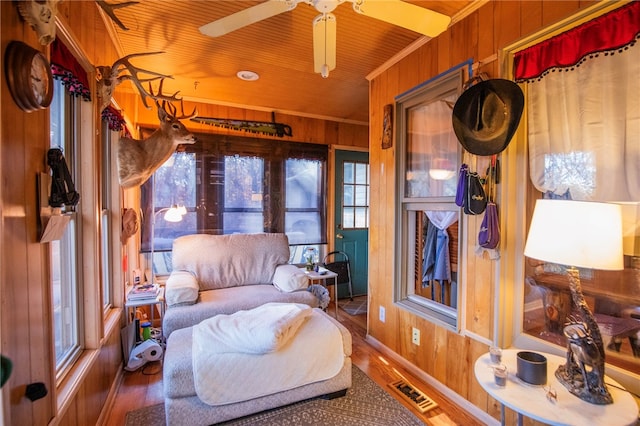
[36,391]
[62,187]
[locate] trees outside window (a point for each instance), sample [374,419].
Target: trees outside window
[237,185]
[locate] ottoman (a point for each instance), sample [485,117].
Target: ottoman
[183,406]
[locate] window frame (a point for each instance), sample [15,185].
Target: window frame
[407,208]
[71,242]
[354,206]
[109,217]
[210,153]
[319,204]
[516,218]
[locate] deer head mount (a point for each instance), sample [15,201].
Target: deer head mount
[41,15]
[111,76]
[139,159]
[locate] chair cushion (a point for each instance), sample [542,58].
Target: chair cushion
[181,289]
[222,261]
[290,278]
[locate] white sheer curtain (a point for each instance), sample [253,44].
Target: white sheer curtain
[442,219]
[584,128]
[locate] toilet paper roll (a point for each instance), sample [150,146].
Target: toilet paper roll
[149,350]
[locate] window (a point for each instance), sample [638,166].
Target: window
[109,209]
[64,253]
[590,153]
[428,232]
[303,201]
[237,185]
[243,195]
[355,195]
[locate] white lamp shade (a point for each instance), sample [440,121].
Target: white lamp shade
[173,215]
[631,228]
[576,233]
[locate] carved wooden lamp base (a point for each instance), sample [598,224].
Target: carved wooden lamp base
[583,374]
[593,391]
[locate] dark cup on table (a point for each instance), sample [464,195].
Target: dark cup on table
[532,368]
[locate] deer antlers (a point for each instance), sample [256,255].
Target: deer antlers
[110,10]
[168,102]
[110,77]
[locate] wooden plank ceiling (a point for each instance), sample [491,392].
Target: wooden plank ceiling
[279,49]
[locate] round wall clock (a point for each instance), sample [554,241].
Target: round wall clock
[28,76]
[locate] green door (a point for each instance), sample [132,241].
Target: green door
[352,216]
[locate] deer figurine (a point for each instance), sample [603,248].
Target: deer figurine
[139,159]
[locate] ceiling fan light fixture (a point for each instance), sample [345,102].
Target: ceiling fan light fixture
[324,44]
[324,71]
[442,169]
[326,6]
[395,12]
[246,75]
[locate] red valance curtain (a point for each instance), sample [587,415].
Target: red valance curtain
[583,109]
[65,67]
[115,120]
[613,31]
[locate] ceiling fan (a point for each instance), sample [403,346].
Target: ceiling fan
[396,12]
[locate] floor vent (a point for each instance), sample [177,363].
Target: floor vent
[413,395]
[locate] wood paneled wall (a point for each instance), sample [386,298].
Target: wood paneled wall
[26,330]
[26,319]
[303,129]
[445,355]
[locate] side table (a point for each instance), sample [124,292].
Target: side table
[131,306]
[321,278]
[531,400]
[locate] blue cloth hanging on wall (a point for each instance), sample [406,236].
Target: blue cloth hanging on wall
[436,264]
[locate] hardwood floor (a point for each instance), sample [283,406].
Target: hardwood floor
[144,387]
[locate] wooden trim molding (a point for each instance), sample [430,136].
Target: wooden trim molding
[472,7]
[453,396]
[66,35]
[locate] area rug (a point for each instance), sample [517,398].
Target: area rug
[365,404]
[356,306]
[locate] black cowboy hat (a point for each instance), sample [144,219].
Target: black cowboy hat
[487,114]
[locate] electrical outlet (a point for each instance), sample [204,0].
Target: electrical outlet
[415,336]
[382,314]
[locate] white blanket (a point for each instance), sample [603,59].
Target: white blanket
[315,353]
[256,331]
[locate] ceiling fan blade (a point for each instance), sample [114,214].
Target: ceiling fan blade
[247,17]
[324,44]
[406,15]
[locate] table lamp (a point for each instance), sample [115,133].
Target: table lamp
[172,214]
[587,235]
[631,232]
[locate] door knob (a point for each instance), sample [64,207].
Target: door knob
[340,236]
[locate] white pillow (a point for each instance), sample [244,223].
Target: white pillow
[290,278]
[181,288]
